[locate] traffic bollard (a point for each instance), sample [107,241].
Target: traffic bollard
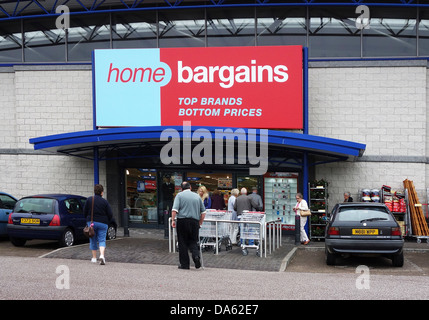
[297,229]
[125,222]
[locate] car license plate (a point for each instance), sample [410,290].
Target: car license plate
[365,232]
[30,221]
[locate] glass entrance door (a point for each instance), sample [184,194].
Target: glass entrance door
[141,195]
[149,194]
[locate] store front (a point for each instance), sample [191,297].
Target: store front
[150,192]
[135,152]
[211,116]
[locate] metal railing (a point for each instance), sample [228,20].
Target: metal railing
[272,238]
[274,232]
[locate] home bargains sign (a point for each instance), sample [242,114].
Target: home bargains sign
[247,87]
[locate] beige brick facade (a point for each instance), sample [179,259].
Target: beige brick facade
[38,102]
[383,106]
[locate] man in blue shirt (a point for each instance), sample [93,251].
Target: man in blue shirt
[189,210]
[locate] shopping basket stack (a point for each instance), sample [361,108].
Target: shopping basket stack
[209,236]
[251,234]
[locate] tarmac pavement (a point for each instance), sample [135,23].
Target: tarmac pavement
[140,267]
[148,246]
[65,279]
[25,278]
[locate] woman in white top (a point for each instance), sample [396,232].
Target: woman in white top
[301,204]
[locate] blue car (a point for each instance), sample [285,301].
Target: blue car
[49,217]
[7,202]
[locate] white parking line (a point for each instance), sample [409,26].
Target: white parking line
[74,246]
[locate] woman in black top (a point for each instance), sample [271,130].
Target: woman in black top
[102,215]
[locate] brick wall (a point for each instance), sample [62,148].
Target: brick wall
[381,106]
[27,174]
[38,103]
[52,102]
[7,107]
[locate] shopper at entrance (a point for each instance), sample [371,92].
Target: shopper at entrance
[257,199]
[244,202]
[301,204]
[217,200]
[347,197]
[102,216]
[189,210]
[204,195]
[167,194]
[234,226]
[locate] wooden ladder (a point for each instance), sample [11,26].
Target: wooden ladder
[418,221]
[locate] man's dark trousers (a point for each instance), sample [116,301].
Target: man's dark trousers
[187,236]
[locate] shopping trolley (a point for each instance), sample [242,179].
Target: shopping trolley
[212,235]
[252,234]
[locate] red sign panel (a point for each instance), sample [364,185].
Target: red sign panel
[249,87]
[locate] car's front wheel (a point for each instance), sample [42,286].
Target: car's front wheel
[67,238]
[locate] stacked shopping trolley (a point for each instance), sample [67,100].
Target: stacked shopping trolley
[213,233]
[252,234]
[216,232]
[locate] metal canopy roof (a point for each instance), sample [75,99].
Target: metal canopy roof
[285,149]
[36,8]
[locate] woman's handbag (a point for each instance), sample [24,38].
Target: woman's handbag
[305,213]
[88,231]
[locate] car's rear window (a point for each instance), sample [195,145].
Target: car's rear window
[363,214]
[37,205]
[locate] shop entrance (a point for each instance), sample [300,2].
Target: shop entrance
[141,195]
[149,194]
[217,185]
[249,182]
[223,183]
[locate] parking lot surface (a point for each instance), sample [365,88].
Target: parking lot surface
[312,259]
[33,248]
[150,247]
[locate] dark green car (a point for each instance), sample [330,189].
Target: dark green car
[363,228]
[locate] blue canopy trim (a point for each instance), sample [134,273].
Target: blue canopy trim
[285,148]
